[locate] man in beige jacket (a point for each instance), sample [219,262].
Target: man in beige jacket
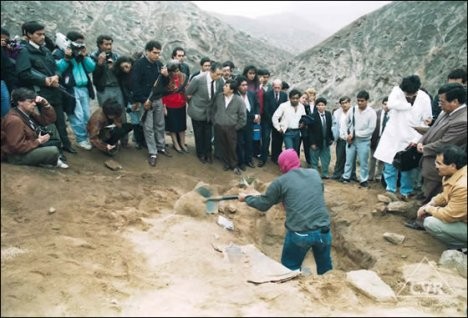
[447,212]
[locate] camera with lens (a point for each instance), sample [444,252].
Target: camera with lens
[43,131]
[109,57]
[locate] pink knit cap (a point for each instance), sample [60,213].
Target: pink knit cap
[288,160]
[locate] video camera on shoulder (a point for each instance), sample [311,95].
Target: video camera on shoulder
[64,43]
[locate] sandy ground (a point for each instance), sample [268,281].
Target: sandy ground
[137,242]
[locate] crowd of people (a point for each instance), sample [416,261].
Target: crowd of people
[242,120]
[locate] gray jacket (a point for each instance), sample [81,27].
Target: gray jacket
[232,115]
[200,104]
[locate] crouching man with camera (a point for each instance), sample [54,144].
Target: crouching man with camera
[105,127]
[24,135]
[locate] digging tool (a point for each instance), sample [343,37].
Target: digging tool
[221,198]
[212,202]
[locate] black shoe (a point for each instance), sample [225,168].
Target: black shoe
[226,167]
[237,171]
[335,177]
[364,184]
[261,163]
[251,164]
[325,177]
[209,158]
[415,225]
[152,160]
[242,167]
[346,181]
[202,160]
[70,149]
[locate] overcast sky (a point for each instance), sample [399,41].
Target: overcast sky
[336,13]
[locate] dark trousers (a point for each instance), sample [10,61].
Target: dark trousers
[266,137]
[306,146]
[227,137]
[340,158]
[276,144]
[202,131]
[245,144]
[54,97]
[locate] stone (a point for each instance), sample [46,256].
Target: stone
[394,238]
[383,198]
[399,207]
[371,285]
[112,164]
[454,259]
[52,210]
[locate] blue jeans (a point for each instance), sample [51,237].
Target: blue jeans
[296,245]
[390,174]
[80,117]
[5,99]
[292,139]
[362,148]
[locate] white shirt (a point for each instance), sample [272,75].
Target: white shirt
[208,82]
[287,117]
[246,102]
[227,100]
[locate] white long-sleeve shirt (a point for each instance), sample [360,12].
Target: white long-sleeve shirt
[287,116]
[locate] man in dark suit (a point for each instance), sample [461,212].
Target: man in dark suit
[201,91]
[321,137]
[272,99]
[245,136]
[37,70]
[449,128]
[382,118]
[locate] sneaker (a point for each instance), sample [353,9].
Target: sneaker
[84,145]
[61,164]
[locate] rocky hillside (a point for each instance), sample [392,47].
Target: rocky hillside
[132,24]
[372,53]
[277,30]
[377,50]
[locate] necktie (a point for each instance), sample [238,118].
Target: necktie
[384,122]
[277,96]
[212,89]
[324,125]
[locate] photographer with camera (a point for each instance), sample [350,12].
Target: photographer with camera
[105,81]
[74,65]
[105,127]
[24,136]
